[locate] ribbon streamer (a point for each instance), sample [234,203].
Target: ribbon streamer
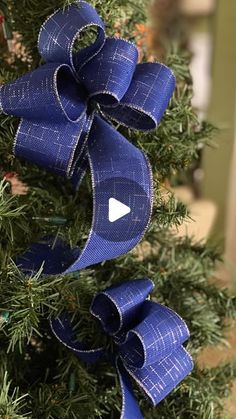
[148,337]
[66,106]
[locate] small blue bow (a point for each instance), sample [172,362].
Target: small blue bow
[149,339]
[65,106]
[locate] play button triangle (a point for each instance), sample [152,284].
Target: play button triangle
[117,210]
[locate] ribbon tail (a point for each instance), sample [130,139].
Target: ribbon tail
[51,253]
[130,407]
[121,175]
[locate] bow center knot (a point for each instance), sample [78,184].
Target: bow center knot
[92,107]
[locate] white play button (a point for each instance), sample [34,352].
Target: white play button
[117,210]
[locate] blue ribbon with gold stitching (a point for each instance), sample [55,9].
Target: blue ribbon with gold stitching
[149,341]
[66,108]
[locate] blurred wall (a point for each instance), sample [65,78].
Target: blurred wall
[217,163]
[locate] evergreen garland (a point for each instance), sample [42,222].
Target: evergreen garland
[39,378]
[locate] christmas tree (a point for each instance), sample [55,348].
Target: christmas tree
[39,377]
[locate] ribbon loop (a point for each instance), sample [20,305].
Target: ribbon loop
[35,140]
[147,98]
[159,379]
[62,329]
[59,33]
[117,308]
[119,58]
[49,93]
[160,332]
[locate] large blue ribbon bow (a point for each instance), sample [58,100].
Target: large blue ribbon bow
[65,105]
[149,339]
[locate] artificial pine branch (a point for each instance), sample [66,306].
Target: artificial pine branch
[59,384]
[11,404]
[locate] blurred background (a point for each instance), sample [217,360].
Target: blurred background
[207,30]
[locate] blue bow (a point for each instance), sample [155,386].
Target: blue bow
[65,106]
[149,338]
